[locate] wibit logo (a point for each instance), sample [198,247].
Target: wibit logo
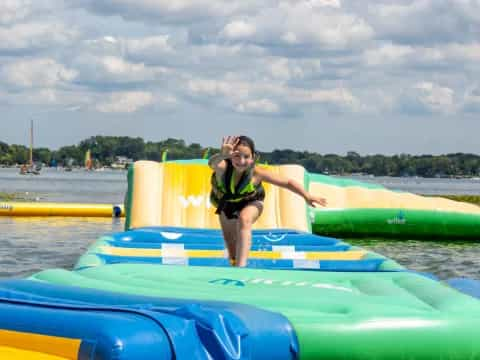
[6,206]
[398,220]
[195,201]
[227,282]
[274,237]
[282,283]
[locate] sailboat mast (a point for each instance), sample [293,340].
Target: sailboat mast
[31,142]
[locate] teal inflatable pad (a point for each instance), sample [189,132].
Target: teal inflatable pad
[382,315]
[171,246]
[146,327]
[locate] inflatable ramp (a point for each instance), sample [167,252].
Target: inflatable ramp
[362,209]
[51,322]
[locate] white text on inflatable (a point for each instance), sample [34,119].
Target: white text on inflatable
[195,201]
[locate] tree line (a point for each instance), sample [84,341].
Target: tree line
[105,149]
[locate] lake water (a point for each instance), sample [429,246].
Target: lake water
[28,245]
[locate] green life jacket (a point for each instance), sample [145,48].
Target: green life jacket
[226,191]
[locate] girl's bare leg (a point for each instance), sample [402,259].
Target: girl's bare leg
[246,219]
[229,230]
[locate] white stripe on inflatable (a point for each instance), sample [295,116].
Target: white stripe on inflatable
[283,248]
[173,252]
[293,255]
[171,235]
[172,247]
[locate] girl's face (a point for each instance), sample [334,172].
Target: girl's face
[242,157]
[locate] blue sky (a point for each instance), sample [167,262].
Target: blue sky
[328,76]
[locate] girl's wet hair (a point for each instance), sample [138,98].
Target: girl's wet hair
[246,141]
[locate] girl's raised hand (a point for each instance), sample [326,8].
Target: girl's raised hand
[228,144]
[312,200]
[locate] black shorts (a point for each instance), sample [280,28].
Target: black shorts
[232,209]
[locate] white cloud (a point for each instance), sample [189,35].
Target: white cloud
[37,73]
[408,21]
[35,35]
[463,52]
[302,23]
[328,3]
[118,67]
[435,97]
[230,89]
[471,100]
[339,96]
[239,30]
[12,11]
[60,97]
[103,46]
[115,70]
[166,11]
[285,69]
[387,54]
[151,49]
[152,44]
[407,56]
[270,96]
[47,96]
[125,102]
[396,10]
[261,106]
[427,97]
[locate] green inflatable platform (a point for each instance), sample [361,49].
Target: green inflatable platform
[378,315]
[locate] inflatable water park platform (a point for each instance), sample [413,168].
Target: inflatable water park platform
[163,289]
[354,209]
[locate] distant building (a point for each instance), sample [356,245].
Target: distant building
[121,162]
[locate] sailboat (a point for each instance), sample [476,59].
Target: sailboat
[30,168]
[88,161]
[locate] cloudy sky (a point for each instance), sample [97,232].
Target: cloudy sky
[321,75]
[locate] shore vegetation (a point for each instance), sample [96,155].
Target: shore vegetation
[105,151]
[15,196]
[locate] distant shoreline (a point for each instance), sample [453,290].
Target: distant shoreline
[450,177]
[119,151]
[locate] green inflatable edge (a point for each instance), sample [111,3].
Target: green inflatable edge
[398,223]
[335,315]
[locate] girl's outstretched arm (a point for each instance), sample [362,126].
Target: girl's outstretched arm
[228,144]
[290,184]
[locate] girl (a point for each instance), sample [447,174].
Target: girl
[238,194]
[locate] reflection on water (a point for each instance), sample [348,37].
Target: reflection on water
[28,245]
[52,185]
[444,259]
